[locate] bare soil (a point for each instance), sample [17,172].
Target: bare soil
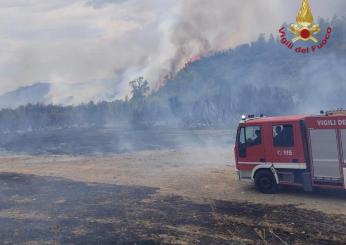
[182,196]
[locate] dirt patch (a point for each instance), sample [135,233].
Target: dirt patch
[60,211]
[201,174]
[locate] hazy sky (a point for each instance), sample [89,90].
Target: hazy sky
[79,41]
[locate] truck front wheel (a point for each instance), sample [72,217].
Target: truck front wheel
[265,182]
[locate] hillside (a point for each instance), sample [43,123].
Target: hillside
[36,93]
[262,77]
[60,94]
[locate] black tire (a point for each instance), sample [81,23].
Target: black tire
[265,182]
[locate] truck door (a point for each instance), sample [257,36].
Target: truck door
[326,165]
[343,163]
[286,146]
[251,148]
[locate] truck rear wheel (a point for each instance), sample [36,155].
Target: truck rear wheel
[265,182]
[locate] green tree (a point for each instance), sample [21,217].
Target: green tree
[139,88]
[141,113]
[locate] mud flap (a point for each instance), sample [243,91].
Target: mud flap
[306,179]
[273,170]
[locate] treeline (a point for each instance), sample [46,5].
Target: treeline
[135,112]
[42,117]
[142,111]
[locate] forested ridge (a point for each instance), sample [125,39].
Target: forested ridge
[262,77]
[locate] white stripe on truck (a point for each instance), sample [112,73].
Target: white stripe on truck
[279,165]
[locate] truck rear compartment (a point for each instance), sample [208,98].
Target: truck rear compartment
[326,154]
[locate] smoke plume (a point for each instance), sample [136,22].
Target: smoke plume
[103,44]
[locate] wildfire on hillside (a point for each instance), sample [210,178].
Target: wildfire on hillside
[162,82]
[193,59]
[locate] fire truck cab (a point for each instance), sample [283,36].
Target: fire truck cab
[305,151]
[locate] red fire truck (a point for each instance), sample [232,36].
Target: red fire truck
[305,151]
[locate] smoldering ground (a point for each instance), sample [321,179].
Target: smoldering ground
[145,197]
[94,141]
[46,210]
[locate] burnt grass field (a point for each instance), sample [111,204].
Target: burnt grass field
[50,210]
[94,140]
[47,210]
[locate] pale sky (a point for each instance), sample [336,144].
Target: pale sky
[92,41]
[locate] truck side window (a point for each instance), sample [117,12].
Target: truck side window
[283,135]
[253,136]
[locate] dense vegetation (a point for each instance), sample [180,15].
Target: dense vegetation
[262,77]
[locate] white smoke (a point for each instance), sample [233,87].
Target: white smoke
[105,43]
